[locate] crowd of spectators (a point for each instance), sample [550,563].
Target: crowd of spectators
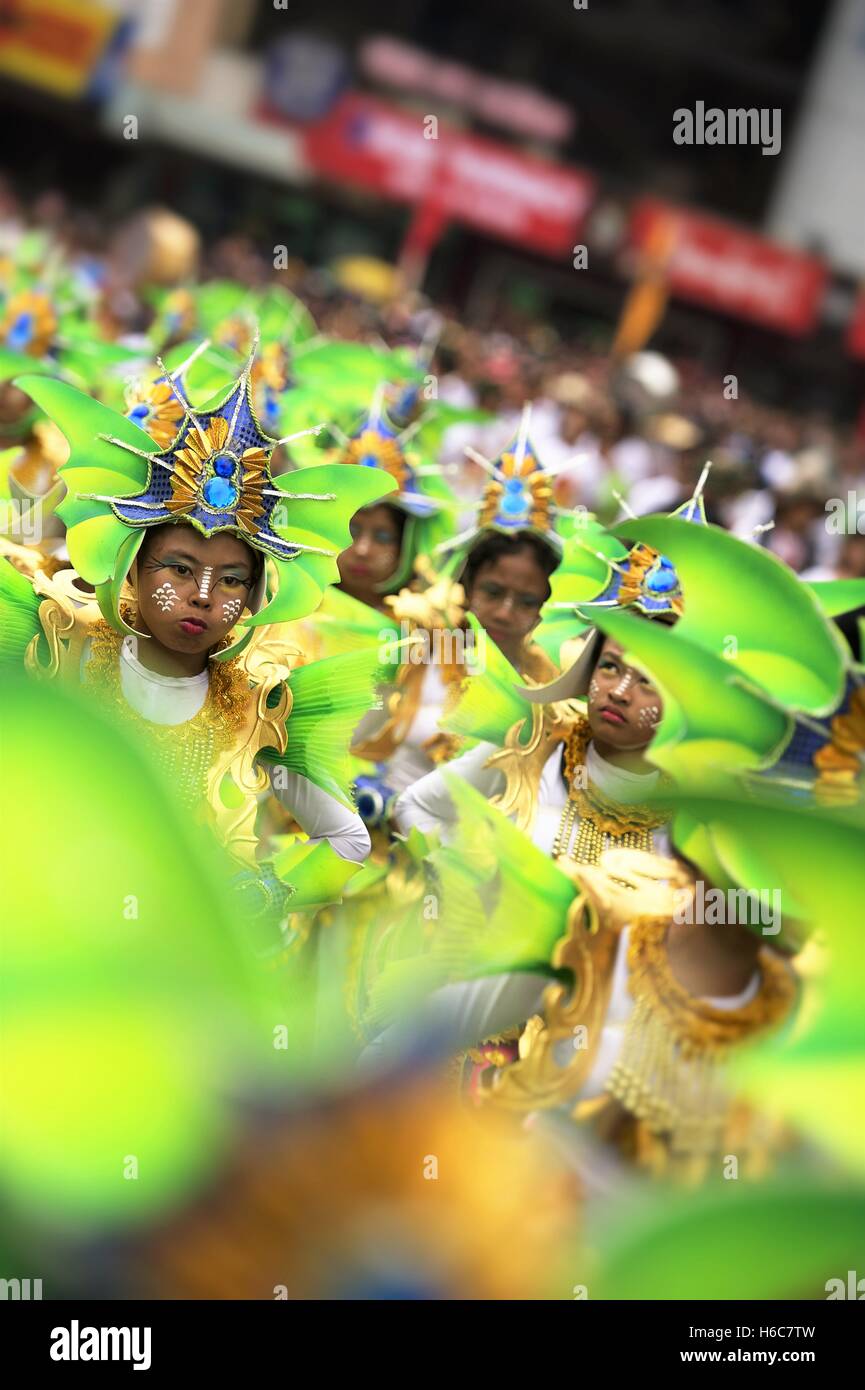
[639,428]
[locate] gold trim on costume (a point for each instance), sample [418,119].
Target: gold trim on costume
[522,764]
[603,823]
[669,1073]
[185,751]
[221,744]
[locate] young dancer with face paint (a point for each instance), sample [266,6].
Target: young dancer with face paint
[578,787]
[398,567]
[167,631]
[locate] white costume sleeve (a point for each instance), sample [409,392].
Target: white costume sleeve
[464,1014]
[428,803]
[322,817]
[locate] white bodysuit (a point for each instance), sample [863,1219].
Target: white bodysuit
[176,699]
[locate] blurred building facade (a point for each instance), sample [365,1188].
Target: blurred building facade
[484,146]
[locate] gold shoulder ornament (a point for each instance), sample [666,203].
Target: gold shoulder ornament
[669,1076]
[523,763]
[210,759]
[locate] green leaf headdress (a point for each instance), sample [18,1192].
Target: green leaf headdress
[753,650]
[378,447]
[639,579]
[753,656]
[517,498]
[214,476]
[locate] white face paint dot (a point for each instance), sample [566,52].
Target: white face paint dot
[625,683]
[650,715]
[165,596]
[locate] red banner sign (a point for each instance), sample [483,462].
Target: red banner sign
[517,107]
[534,202]
[732,270]
[855,337]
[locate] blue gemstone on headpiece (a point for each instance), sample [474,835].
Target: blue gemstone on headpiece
[21,331]
[139,413]
[223,465]
[219,494]
[662,580]
[369,461]
[270,409]
[514,503]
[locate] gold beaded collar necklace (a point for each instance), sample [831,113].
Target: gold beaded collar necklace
[603,823]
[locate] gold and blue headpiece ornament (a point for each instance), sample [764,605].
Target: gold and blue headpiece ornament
[156,401]
[378,443]
[518,495]
[215,476]
[379,447]
[643,580]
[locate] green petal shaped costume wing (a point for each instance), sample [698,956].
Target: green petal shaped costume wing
[837,596]
[714,724]
[345,624]
[526,898]
[330,698]
[580,576]
[349,373]
[19,616]
[489,704]
[131,1003]
[781,642]
[317,874]
[94,534]
[777,1240]
[502,907]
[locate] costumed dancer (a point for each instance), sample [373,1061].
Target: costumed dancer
[498,572]
[176,551]
[656,1005]
[494,581]
[45,326]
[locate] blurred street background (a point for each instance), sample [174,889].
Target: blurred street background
[509,191]
[510,180]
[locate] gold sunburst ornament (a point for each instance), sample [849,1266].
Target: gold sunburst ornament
[522,494]
[206,451]
[29,323]
[374,448]
[153,405]
[840,763]
[517,497]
